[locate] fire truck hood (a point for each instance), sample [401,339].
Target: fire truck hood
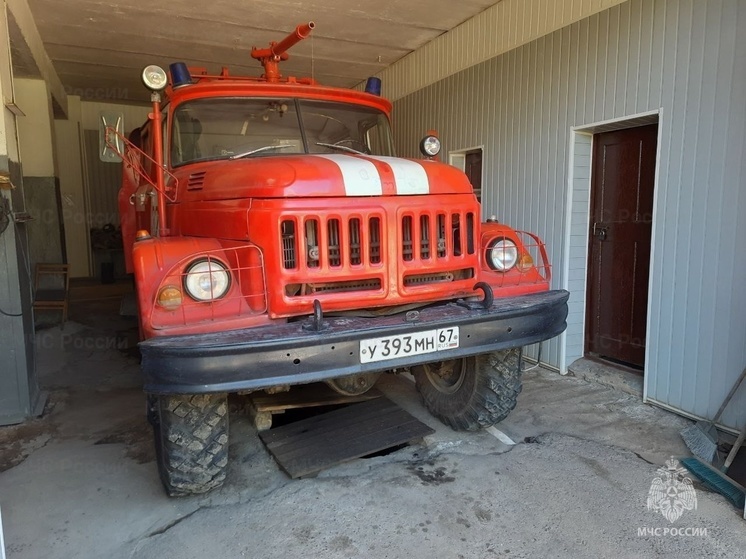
[328,175]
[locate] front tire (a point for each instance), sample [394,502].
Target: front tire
[471,393]
[191,441]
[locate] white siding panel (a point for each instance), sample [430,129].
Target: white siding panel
[498,29]
[582,195]
[577,286]
[683,58]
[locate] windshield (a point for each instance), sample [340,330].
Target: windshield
[233,128]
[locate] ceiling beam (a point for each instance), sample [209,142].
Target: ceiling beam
[21,13]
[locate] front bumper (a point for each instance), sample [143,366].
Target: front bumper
[290,353]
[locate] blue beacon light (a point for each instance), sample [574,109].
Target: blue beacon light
[180,75]
[373,86]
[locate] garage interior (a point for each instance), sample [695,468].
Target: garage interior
[520,93]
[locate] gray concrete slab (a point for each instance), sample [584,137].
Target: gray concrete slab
[606,373]
[81,481]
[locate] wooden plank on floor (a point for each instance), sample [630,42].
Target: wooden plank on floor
[311,445]
[314,432]
[307,396]
[320,423]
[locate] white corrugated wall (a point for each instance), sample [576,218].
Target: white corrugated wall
[498,29]
[684,58]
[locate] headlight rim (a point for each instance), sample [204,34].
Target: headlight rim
[493,244]
[148,84]
[211,261]
[424,142]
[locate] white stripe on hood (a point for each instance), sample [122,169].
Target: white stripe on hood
[361,177]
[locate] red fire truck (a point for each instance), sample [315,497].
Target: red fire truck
[276,240]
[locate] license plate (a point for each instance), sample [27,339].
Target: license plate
[404,345]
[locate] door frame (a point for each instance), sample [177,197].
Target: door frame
[607,261]
[455,161]
[457,158]
[577,224]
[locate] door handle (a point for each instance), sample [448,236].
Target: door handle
[600,231]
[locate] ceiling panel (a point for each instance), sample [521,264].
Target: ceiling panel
[98,45]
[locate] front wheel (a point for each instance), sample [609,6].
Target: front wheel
[471,393]
[191,441]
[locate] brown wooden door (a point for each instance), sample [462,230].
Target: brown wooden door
[622,182]
[473,170]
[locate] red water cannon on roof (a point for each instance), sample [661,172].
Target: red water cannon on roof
[277,52]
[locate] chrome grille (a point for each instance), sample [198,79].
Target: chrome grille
[441,235]
[305,289]
[312,243]
[337,250]
[407,251]
[374,227]
[355,246]
[334,243]
[461,236]
[288,244]
[413,280]
[425,237]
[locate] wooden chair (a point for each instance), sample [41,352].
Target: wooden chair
[54,297]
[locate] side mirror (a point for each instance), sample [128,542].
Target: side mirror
[110,134]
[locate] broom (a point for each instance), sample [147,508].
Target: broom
[715,480]
[702,437]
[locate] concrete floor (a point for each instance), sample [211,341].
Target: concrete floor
[82,482]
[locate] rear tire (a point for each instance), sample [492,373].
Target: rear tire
[471,393]
[191,441]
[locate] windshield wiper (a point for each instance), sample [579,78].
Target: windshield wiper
[259,150]
[340,148]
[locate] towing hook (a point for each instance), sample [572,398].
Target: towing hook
[485,303]
[489,296]
[316,320]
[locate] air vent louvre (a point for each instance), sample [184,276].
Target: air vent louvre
[196,180]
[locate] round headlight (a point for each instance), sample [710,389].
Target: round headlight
[502,255]
[430,146]
[155,78]
[206,280]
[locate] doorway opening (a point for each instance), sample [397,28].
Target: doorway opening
[611,185]
[621,219]
[470,162]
